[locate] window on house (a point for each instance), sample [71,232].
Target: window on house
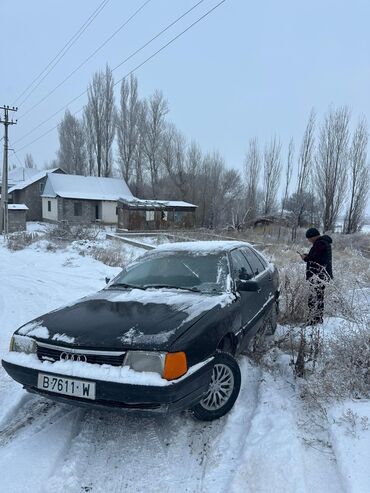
[178,216]
[77,209]
[149,215]
[49,205]
[42,186]
[164,216]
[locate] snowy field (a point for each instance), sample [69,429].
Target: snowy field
[264,444]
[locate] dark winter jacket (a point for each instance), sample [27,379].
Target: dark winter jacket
[319,259]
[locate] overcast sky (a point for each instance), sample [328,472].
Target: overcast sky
[248,69]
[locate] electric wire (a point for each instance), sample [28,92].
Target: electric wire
[61,53]
[86,59]
[172,40]
[115,68]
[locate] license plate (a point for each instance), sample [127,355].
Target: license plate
[66,386]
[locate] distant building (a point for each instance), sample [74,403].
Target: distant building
[82,199]
[26,186]
[140,214]
[89,199]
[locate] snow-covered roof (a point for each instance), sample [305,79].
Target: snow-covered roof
[17,207]
[85,187]
[31,178]
[200,247]
[156,204]
[21,174]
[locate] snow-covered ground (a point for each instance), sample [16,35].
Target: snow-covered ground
[263,445]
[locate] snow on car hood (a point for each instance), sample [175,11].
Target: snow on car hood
[116,318]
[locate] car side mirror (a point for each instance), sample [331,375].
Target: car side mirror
[251,286]
[107,280]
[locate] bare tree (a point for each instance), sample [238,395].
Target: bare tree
[252,171]
[288,178]
[88,124]
[174,158]
[128,126]
[271,175]
[100,116]
[359,178]
[194,159]
[29,161]
[155,124]
[331,164]
[108,122]
[305,167]
[72,150]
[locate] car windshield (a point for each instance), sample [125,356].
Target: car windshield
[179,270]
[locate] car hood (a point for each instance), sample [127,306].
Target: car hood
[117,318]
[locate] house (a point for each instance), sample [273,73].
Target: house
[25,187]
[82,199]
[87,199]
[141,214]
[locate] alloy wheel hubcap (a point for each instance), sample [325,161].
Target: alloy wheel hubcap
[220,388]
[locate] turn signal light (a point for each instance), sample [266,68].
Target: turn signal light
[175,365]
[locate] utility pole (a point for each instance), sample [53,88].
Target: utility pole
[4,186]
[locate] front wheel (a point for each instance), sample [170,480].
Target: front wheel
[223,389]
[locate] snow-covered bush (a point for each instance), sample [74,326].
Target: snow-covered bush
[344,366]
[65,231]
[111,255]
[20,240]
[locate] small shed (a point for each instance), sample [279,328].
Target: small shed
[17,217]
[145,215]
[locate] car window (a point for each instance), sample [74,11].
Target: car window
[207,273]
[240,267]
[263,260]
[255,263]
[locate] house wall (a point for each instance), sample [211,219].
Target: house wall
[16,220]
[53,214]
[109,212]
[66,211]
[132,219]
[31,196]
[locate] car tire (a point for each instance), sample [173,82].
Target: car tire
[217,402]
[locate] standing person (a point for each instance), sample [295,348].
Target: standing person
[318,273]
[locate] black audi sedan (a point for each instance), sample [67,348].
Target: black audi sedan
[163,335]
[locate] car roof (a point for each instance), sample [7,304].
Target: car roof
[201,247]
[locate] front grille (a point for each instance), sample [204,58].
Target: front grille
[47,353]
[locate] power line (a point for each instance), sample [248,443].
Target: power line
[87,59]
[15,154]
[134,70]
[61,53]
[115,68]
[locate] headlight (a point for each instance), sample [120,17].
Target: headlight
[169,365]
[22,344]
[145,361]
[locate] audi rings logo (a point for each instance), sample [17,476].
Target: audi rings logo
[73,357]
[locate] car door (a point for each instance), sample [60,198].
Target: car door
[250,302]
[263,276]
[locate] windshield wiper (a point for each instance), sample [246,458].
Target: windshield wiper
[196,290]
[125,285]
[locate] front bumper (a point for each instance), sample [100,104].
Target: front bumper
[177,395]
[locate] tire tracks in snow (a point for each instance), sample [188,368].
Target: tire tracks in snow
[227,450]
[129,453]
[275,457]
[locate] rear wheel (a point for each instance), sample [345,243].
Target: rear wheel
[223,389]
